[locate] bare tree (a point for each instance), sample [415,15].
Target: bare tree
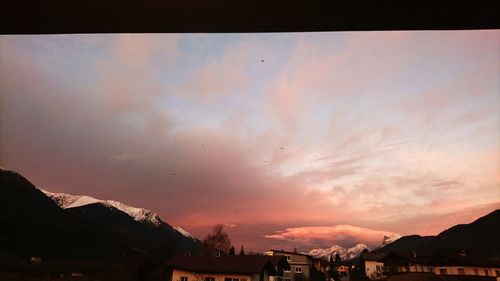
[218,240]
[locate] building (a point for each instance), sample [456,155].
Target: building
[343,267]
[227,268]
[406,262]
[374,267]
[462,264]
[300,265]
[378,266]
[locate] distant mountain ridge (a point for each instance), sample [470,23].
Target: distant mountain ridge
[66,201]
[351,253]
[481,237]
[32,223]
[388,239]
[344,254]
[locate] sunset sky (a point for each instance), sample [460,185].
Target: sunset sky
[289,139]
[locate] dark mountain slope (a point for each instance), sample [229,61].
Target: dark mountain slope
[480,237]
[405,244]
[21,201]
[140,236]
[31,224]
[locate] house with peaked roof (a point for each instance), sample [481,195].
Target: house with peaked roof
[226,268]
[300,264]
[374,267]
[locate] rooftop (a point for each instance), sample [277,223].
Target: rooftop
[227,264]
[291,253]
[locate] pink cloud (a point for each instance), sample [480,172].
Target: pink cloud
[333,235]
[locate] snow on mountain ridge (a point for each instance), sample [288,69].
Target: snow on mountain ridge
[356,251]
[184,232]
[66,201]
[336,249]
[388,239]
[332,251]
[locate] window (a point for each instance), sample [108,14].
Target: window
[184,278]
[286,270]
[476,271]
[407,269]
[298,269]
[443,271]
[378,268]
[486,272]
[288,257]
[461,271]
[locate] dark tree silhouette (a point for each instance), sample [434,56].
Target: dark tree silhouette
[231,251]
[337,258]
[242,252]
[218,240]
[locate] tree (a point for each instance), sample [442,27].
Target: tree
[218,240]
[361,261]
[317,275]
[231,251]
[337,258]
[242,252]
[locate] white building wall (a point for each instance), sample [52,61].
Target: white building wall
[468,270]
[177,274]
[371,267]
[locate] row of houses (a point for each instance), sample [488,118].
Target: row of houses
[378,266]
[280,265]
[274,265]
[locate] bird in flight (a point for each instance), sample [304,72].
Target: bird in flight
[282,148]
[173,174]
[261,60]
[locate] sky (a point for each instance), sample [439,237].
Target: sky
[291,140]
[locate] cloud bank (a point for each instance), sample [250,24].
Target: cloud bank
[389,131]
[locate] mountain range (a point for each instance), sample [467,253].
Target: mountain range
[58,226]
[343,253]
[481,237]
[350,253]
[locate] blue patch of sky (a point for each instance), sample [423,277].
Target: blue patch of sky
[205,49]
[63,58]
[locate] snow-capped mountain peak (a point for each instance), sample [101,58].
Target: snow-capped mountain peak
[343,253]
[388,239]
[356,251]
[66,201]
[332,251]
